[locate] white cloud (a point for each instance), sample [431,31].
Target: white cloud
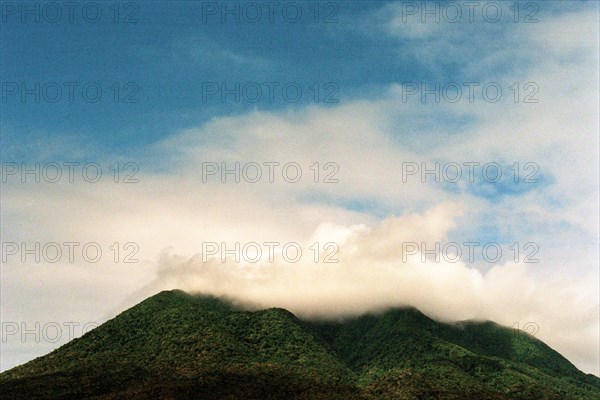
[371,275]
[169,214]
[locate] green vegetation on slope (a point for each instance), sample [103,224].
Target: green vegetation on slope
[177,346]
[404,349]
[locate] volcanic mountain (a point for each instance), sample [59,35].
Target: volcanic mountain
[179,346]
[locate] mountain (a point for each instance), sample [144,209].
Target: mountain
[178,346]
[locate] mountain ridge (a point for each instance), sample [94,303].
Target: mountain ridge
[177,345]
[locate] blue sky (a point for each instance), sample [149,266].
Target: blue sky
[367,119]
[170,51]
[168,55]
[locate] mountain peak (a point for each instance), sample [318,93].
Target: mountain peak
[179,345]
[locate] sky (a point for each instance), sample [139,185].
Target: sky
[331,158]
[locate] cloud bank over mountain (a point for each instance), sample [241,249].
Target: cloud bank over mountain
[369,209]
